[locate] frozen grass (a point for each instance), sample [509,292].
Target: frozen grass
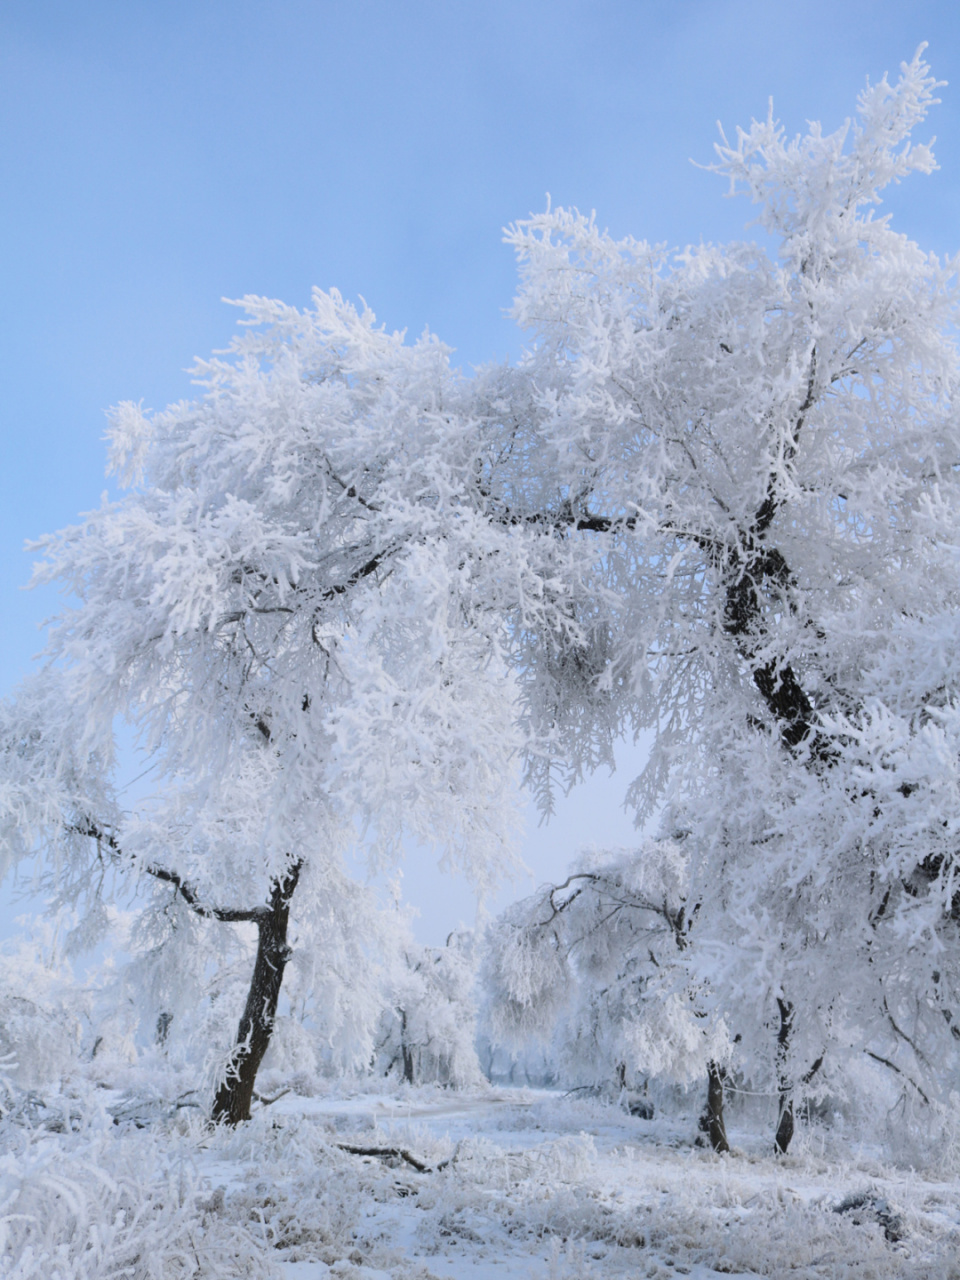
[99,1203]
[528,1185]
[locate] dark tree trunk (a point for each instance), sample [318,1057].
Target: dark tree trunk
[784,1132]
[776,682]
[712,1121]
[756,568]
[235,1094]
[232,1103]
[406,1051]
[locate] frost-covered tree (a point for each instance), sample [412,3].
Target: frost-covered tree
[292,608]
[189,973]
[428,1032]
[44,1014]
[594,966]
[735,472]
[830,904]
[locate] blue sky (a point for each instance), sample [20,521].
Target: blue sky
[156,157]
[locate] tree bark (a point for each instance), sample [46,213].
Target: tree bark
[784,1132]
[235,1094]
[406,1050]
[712,1121]
[756,568]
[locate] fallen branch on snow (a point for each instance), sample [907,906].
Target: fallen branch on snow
[393,1153]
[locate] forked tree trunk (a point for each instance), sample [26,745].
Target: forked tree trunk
[712,1121]
[235,1094]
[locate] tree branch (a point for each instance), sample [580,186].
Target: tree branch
[899,1070]
[87,827]
[225,914]
[393,1153]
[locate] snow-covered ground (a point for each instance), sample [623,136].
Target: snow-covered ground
[511,1183]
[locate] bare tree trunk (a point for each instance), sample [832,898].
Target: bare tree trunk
[235,1094]
[711,1121]
[784,1086]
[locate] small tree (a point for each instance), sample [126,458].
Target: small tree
[596,965]
[428,1034]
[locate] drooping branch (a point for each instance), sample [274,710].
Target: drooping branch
[620,899]
[885,1062]
[86,826]
[807,1077]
